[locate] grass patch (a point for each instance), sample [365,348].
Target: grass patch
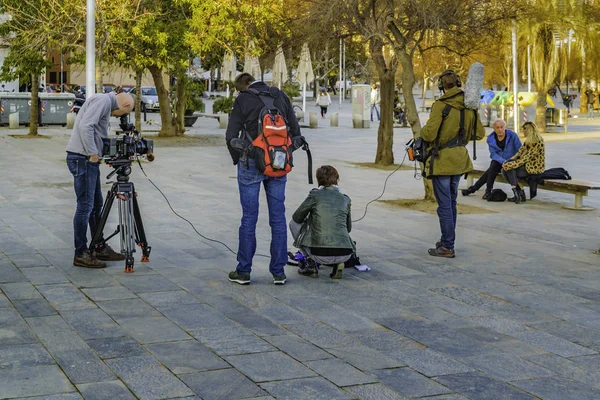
[430,207]
[188,141]
[392,167]
[28,136]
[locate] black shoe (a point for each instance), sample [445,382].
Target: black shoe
[242,279]
[441,252]
[486,195]
[468,191]
[523,197]
[516,196]
[86,260]
[309,269]
[106,253]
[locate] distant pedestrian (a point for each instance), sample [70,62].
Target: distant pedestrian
[375,100]
[591,98]
[323,101]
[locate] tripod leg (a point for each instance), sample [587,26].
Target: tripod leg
[110,198]
[127,228]
[140,233]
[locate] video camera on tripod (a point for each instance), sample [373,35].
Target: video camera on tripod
[119,152]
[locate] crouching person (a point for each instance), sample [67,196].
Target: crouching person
[321,226]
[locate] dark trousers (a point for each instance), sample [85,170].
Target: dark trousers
[323,110]
[489,177]
[513,175]
[445,189]
[86,179]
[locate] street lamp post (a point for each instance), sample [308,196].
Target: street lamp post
[90,50]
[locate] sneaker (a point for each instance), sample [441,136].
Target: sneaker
[106,253]
[86,260]
[337,271]
[242,279]
[309,269]
[279,279]
[441,252]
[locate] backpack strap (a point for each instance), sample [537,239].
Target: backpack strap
[436,142]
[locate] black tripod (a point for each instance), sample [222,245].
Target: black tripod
[130,225]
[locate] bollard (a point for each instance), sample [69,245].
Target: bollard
[313,121]
[334,119]
[358,122]
[300,115]
[223,121]
[13,121]
[71,120]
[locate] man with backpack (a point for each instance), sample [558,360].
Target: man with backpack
[262,116]
[449,129]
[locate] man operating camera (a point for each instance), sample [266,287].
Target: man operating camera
[84,152]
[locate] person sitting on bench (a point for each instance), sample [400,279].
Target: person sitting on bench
[321,226]
[503,144]
[529,160]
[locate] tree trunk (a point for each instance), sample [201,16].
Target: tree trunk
[385,134]
[540,111]
[168,127]
[138,100]
[180,104]
[412,115]
[35,101]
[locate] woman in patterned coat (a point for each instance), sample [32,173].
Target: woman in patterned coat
[529,160]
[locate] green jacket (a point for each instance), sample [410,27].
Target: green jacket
[326,212]
[453,160]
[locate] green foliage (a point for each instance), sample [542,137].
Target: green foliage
[223,105]
[193,91]
[291,89]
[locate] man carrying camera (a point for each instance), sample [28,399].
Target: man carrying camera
[449,129]
[244,118]
[84,152]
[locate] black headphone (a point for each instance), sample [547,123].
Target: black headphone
[448,72]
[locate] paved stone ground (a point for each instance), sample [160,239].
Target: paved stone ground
[516,315]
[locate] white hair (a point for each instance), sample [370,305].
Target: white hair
[499,120]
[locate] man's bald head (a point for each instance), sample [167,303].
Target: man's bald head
[125,101]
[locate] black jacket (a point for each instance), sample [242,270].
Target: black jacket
[246,111]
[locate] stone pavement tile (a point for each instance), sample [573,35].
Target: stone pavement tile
[321,335]
[505,343]
[370,307]
[339,372]
[499,324]
[344,320]
[65,297]
[428,362]
[231,341]
[128,308]
[4,303]
[93,324]
[17,332]
[114,390]
[222,384]
[444,397]
[20,291]
[453,306]
[10,273]
[272,366]
[147,378]
[306,389]
[255,322]
[24,356]
[376,391]
[507,367]
[310,304]
[384,339]
[438,315]
[147,283]
[117,347]
[29,260]
[33,381]
[282,314]
[153,329]
[197,316]
[109,293]
[588,319]
[366,358]
[410,383]
[34,308]
[558,388]
[91,278]
[169,299]
[572,369]
[52,323]
[297,347]
[552,343]
[62,396]
[186,357]
[44,275]
[477,386]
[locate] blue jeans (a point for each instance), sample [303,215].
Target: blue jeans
[445,189]
[86,177]
[374,107]
[249,180]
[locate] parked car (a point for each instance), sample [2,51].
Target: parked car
[127,88]
[149,98]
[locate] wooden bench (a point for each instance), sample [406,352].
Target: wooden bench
[222,118]
[578,188]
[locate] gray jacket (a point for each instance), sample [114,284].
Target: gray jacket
[91,124]
[326,212]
